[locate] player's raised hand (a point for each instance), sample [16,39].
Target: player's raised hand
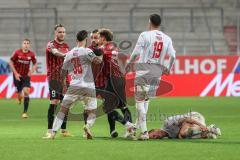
[17,76]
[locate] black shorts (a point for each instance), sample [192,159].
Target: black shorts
[115,96]
[100,92]
[24,82]
[55,90]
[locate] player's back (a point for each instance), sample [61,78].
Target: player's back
[155,46]
[78,63]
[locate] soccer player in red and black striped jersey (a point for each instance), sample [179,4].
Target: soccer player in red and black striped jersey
[115,84]
[20,64]
[99,76]
[55,53]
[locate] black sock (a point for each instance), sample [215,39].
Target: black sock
[117,117]
[85,116]
[111,122]
[26,103]
[64,124]
[51,110]
[127,114]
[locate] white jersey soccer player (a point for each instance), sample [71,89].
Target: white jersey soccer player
[186,126]
[151,48]
[78,64]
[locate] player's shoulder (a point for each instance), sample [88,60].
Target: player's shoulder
[165,36]
[18,51]
[78,51]
[144,34]
[32,53]
[88,50]
[50,42]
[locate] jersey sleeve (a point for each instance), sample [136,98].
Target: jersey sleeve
[90,54]
[67,65]
[172,54]
[49,47]
[171,51]
[34,60]
[14,57]
[138,48]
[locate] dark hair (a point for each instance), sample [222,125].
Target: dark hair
[155,19]
[26,39]
[151,131]
[81,35]
[107,34]
[95,31]
[57,26]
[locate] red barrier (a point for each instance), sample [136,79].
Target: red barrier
[191,76]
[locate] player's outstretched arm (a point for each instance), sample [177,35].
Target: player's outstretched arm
[95,55]
[192,121]
[55,51]
[99,56]
[63,76]
[172,56]
[97,59]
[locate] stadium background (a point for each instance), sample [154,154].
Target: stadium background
[197,27]
[206,36]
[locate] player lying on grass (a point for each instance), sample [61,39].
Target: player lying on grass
[187,126]
[78,63]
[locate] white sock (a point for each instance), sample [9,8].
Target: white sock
[146,103]
[128,124]
[58,121]
[137,124]
[91,119]
[142,116]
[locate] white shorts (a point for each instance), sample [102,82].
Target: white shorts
[146,86]
[86,95]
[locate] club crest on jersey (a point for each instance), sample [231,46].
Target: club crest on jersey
[91,54]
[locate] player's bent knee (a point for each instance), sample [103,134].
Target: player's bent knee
[26,91]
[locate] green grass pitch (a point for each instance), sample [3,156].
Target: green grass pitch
[20,139]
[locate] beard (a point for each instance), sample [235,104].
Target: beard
[60,39]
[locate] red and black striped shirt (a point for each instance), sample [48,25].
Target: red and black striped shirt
[54,63]
[22,61]
[111,60]
[98,73]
